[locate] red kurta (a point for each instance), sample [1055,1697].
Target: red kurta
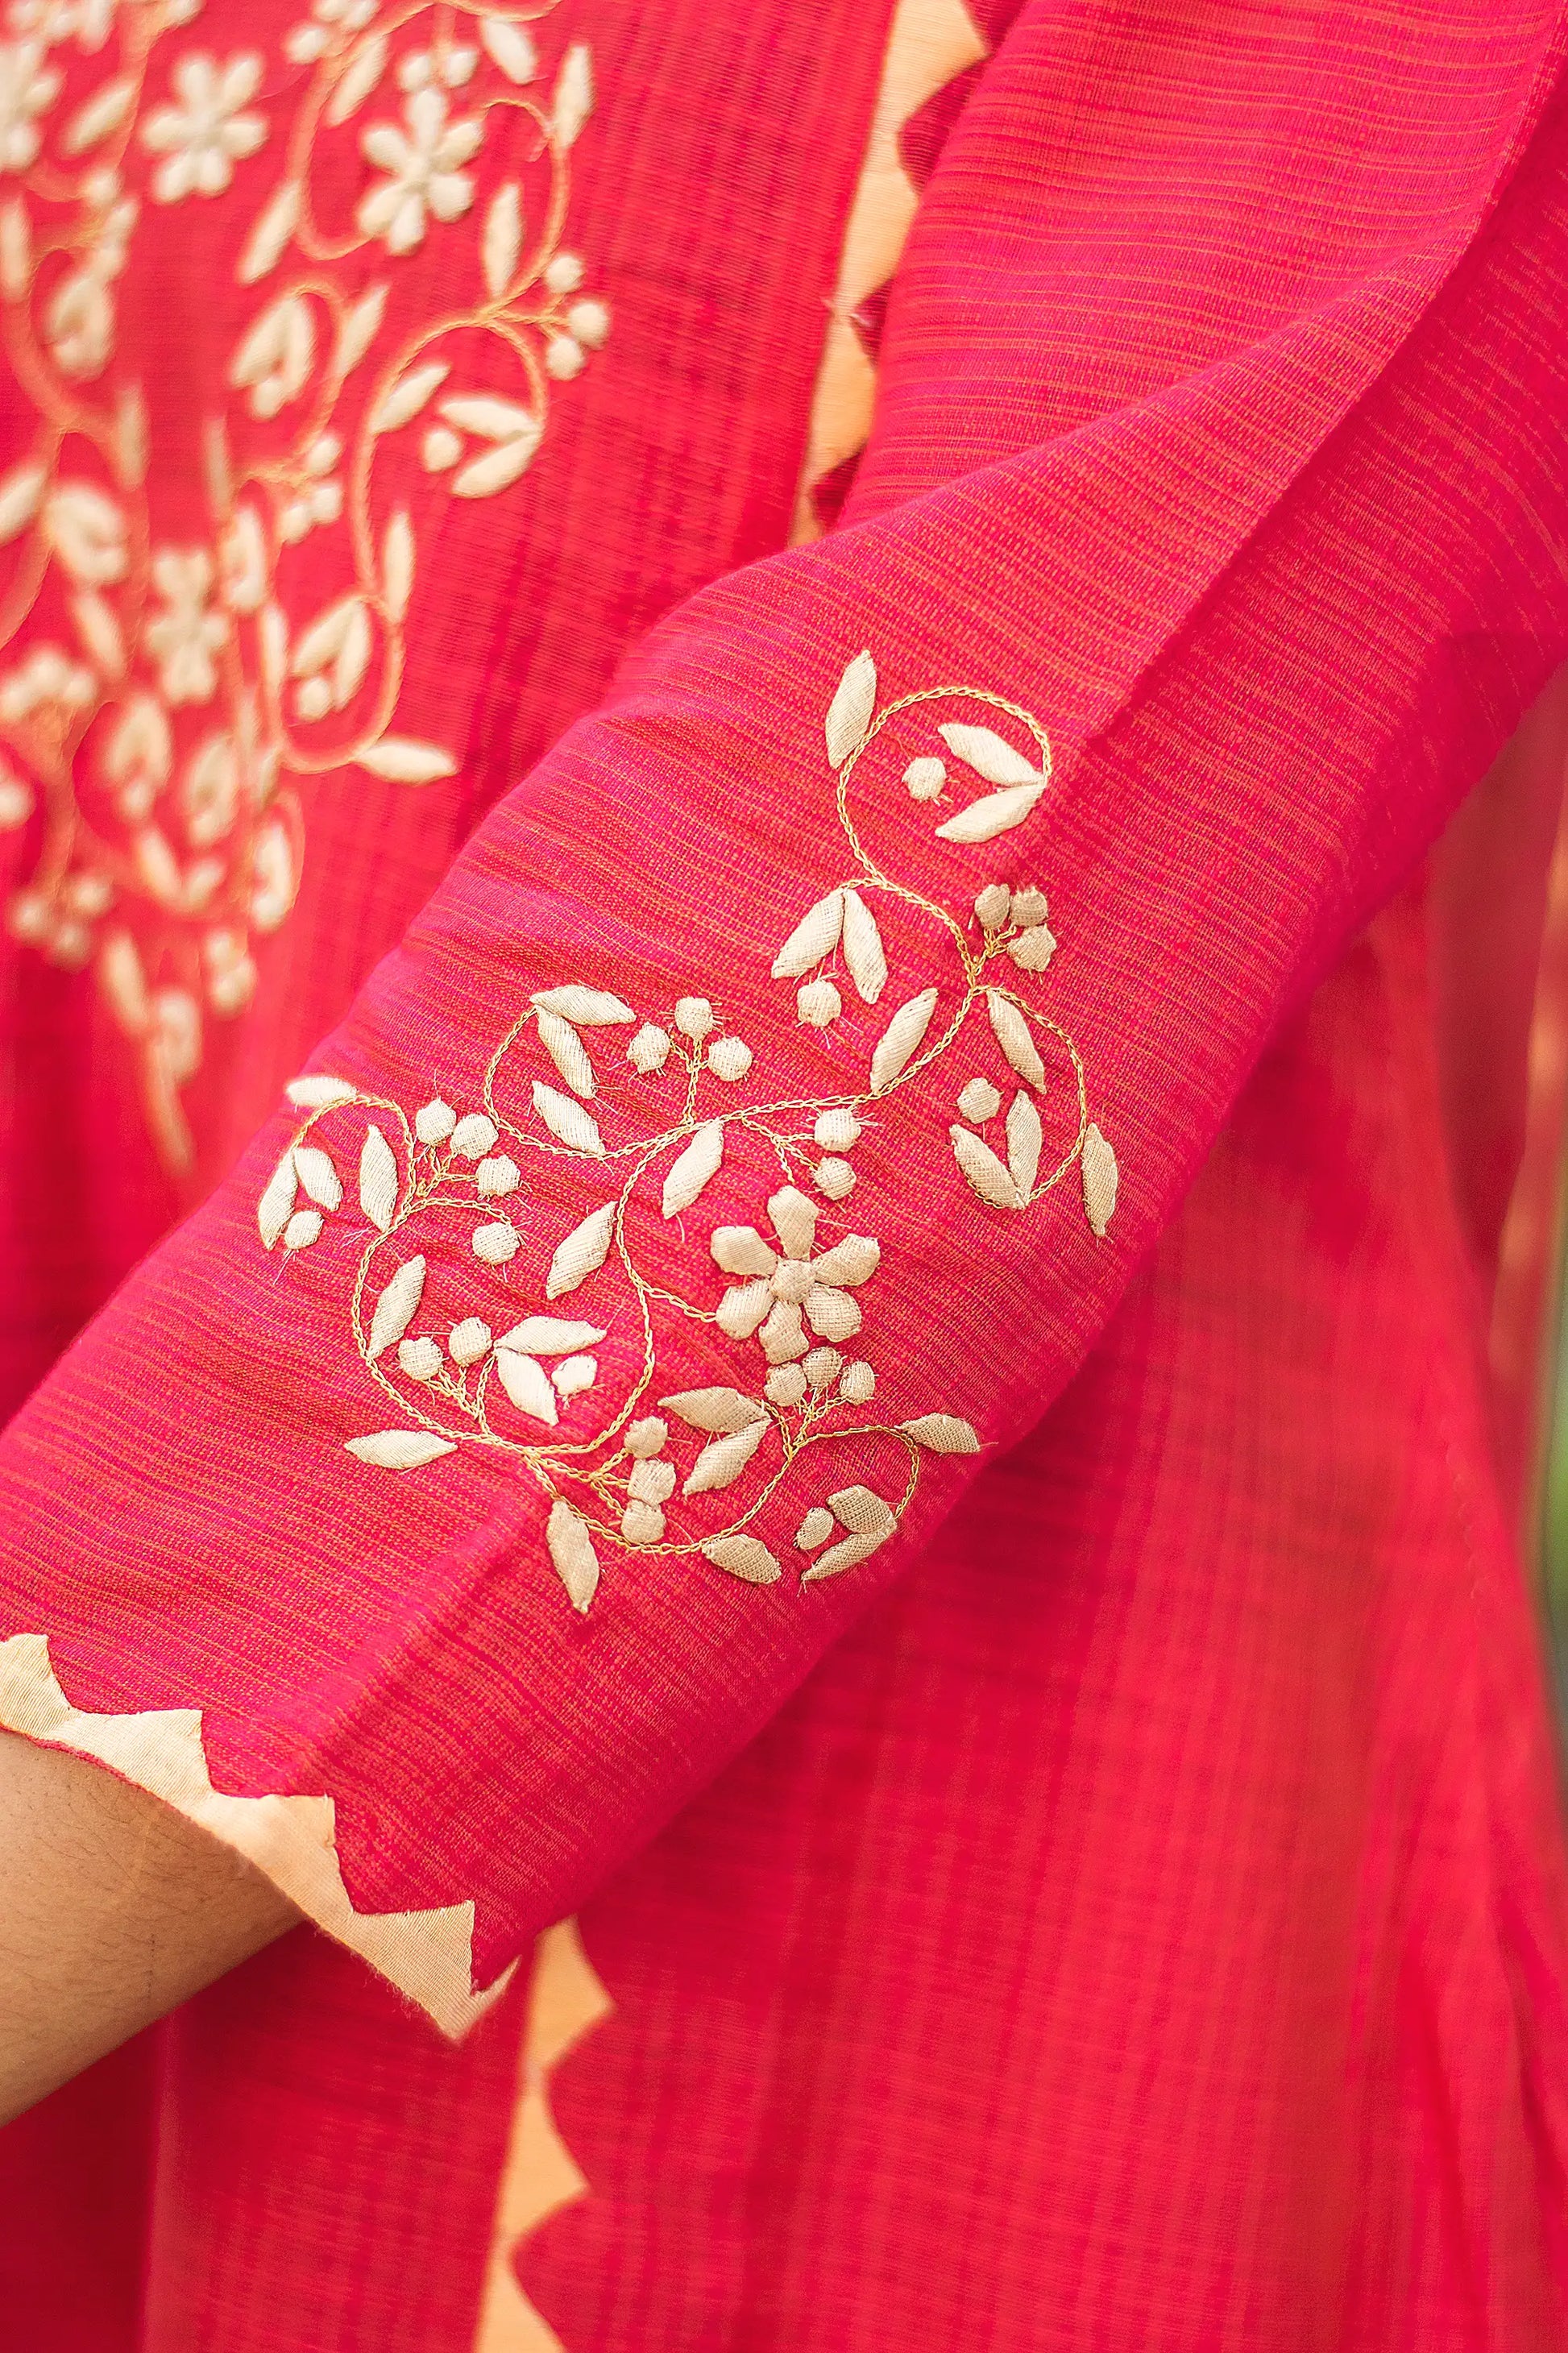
[856,1358]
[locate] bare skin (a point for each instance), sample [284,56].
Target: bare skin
[113,1911]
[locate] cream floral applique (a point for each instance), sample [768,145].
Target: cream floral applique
[449,1186]
[167,681]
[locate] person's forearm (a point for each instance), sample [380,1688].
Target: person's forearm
[113,1910]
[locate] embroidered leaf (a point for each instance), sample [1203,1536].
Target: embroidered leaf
[1024,1143]
[716,1408]
[990,755]
[325,638]
[400,1450]
[573,99]
[492,419]
[840,1556]
[1014,1036]
[318,1175]
[863,948]
[503,240]
[20,494]
[862,1513]
[589,1007]
[273,228]
[397,1306]
[690,1173]
[527,1384]
[582,1253]
[100,632]
[567,1121]
[317,1092]
[566,1051]
[398,564]
[745,1556]
[272,638]
[510,47]
[98,115]
[550,1336]
[992,814]
[572,1550]
[276,1205]
[363,73]
[16,250]
[942,1433]
[900,1039]
[408,396]
[402,760]
[377,1180]
[985,1173]
[498,467]
[849,713]
[360,325]
[814,1529]
[1100,1179]
[814,936]
[723,1460]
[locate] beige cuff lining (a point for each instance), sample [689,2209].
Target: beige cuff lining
[428,1955]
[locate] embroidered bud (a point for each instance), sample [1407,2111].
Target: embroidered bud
[645,1439]
[302,1228]
[497,1178]
[434,1123]
[694,1017]
[925,779]
[993,905]
[1033,950]
[469,1341]
[837,1131]
[1029,906]
[859,1383]
[835,1179]
[563,358]
[564,273]
[472,1137]
[495,1243]
[420,1359]
[728,1058]
[576,1374]
[817,1004]
[642,1524]
[652,1482]
[814,1529]
[821,1367]
[650,1050]
[979,1101]
[590,322]
[785,1384]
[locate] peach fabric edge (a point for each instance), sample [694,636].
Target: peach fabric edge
[428,1955]
[930,43]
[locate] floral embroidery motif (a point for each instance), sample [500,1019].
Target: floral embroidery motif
[164,688]
[447,1187]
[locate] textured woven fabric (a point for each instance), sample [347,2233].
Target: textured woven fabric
[1138,1911]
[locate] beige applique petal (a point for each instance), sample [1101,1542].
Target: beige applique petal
[723,1460]
[572,1550]
[849,713]
[582,1253]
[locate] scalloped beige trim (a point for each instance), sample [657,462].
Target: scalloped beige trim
[566,2001]
[428,1955]
[930,41]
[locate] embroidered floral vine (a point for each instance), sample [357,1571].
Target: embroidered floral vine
[448,1184]
[172,674]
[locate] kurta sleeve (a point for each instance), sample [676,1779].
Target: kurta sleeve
[756,1129]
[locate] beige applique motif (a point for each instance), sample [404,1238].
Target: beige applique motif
[163,686]
[798,1310]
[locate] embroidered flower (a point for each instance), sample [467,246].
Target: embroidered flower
[421,165]
[49,683]
[784,1290]
[183,638]
[207,133]
[28,87]
[88,22]
[303,44]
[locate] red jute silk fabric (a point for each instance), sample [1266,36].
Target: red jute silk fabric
[1142,1917]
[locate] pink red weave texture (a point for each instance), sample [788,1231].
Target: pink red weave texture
[1148,1922]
